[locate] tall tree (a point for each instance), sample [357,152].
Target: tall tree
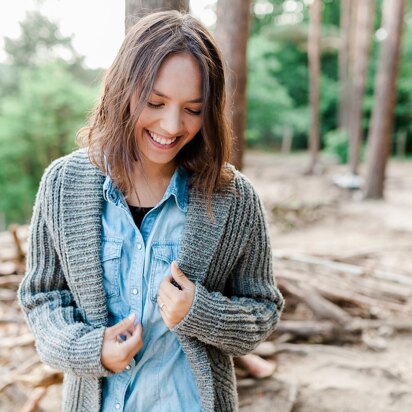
[138,8]
[380,132]
[364,19]
[232,31]
[315,12]
[344,53]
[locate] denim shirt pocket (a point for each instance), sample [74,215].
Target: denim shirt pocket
[111,250]
[164,253]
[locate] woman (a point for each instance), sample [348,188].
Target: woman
[149,264]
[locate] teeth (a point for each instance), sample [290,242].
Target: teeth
[160,139]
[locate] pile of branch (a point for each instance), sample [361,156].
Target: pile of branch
[22,383]
[334,302]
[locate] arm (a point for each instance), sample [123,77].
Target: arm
[236,324]
[63,340]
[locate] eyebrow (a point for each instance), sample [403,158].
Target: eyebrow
[198,100]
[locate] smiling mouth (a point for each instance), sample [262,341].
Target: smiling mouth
[160,140]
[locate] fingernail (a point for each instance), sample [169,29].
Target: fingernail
[131,316]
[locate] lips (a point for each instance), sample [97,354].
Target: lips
[160,141]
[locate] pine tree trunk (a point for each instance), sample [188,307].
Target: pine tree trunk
[380,132]
[138,8]
[232,31]
[345,14]
[314,73]
[364,19]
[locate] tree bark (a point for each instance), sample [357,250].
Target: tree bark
[232,31]
[136,9]
[364,19]
[380,131]
[314,73]
[345,14]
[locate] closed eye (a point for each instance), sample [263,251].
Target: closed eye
[155,106]
[195,112]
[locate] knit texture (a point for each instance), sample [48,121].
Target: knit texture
[236,303]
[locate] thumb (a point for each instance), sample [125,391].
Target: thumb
[179,276]
[123,325]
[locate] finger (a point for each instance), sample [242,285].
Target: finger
[167,291]
[165,316]
[179,277]
[135,342]
[126,324]
[161,303]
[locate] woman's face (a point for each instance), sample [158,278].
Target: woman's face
[172,116]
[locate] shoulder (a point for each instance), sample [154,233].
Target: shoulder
[246,204]
[245,193]
[75,163]
[74,169]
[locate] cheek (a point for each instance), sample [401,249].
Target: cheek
[195,125]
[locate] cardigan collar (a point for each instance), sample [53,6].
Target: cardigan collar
[82,196]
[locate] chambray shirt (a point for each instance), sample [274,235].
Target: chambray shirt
[135,262]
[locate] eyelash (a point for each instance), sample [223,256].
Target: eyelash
[158,106]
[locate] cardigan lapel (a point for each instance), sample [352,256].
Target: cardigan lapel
[81,224]
[202,236]
[82,204]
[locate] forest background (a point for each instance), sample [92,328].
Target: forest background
[46,93]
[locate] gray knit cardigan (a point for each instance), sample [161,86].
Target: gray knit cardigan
[236,303]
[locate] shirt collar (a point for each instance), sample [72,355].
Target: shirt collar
[178,189]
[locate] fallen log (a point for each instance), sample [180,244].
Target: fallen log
[14,341]
[340,290]
[33,402]
[321,307]
[10,281]
[330,331]
[21,369]
[8,268]
[319,265]
[20,255]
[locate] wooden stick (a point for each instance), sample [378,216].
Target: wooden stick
[14,341]
[19,250]
[10,281]
[319,265]
[321,307]
[21,369]
[33,402]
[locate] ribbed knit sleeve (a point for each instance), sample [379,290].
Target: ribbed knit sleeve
[237,323]
[63,340]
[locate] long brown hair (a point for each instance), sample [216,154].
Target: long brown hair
[110,133]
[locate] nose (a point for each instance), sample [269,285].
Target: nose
[171,121]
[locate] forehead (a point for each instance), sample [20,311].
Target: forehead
[179,77]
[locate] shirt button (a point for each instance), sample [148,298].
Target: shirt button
[139,246]
[134,291]
[128,367]
[117,406]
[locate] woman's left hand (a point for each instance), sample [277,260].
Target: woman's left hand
[175,303]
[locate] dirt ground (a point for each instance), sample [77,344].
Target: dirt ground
[336,223]
[309,215]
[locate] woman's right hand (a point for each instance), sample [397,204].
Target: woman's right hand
[117,353]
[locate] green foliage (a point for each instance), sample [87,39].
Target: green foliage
[268,101]
[44,100]
[336,144]
[285,55]
[37,125]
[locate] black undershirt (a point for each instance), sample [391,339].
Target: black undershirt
[139,213]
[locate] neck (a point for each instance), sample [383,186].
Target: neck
[150,184]
[153,174]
